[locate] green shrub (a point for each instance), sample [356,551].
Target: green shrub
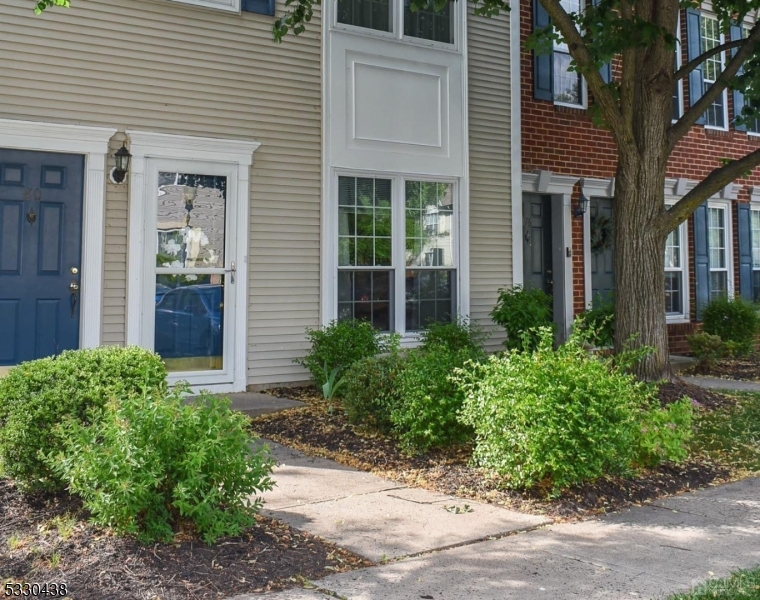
[707,349]
[734,320]
[458,335]
[339,345]
[426,415]
[370,390]
[152,460]
[521,311]
[560,417]
[37,395]
[600,323]
[664,433]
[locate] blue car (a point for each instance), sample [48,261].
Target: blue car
[189,321]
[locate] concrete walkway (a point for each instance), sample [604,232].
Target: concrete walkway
[644,552]
[716,383]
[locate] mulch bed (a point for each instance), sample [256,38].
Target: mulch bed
[41,542]
[744,369]
[675,390]
[320,430]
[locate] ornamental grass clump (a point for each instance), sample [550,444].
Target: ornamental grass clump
[556,418]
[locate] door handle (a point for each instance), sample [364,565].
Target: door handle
[232,270]
[73,288]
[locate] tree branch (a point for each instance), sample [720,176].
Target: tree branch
[691,116]
[694,63]
[714,182]
[587,67]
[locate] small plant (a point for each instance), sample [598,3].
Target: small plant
[15,542]
[54,560]
[734,320]
[458,335]
[371,391]
[339,345]
[152,460]
[560,417]
[426,414]
[665,433]
[333,384]
[521,311]
[707,349]
[600,323]
[37,395]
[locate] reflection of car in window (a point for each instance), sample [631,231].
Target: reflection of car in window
[189,321]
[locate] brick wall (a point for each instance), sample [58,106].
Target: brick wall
[565,141]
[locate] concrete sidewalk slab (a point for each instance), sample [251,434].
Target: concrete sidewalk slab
[374,517]
[255,404]
[715,383]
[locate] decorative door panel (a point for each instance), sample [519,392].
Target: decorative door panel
[40,253]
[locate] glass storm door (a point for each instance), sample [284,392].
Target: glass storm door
[193,270]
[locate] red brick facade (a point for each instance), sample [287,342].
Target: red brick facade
[564,141]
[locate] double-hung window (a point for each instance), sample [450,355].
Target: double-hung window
[717,240]
[753,126]
[755,236]
[568,85]
[423,24]
[674,274]
[396,252]
[711,37]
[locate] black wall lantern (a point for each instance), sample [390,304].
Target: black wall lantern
[581,206]
[119,172]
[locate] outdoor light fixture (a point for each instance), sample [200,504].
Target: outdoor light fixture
[119,172]
[580,208]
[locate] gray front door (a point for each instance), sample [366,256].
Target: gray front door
[602,251]
[537,242]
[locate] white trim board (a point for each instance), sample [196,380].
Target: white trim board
[515,86]
[146,145]
[92,142]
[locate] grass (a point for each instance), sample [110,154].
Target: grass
[731,436]
[741,585]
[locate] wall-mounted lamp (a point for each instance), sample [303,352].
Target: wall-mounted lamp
[119,172]
[189,194]
[581,206]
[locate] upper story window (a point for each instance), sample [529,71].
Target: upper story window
[568,85]
[424,24]
[711,37]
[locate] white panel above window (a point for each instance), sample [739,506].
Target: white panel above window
[226,5]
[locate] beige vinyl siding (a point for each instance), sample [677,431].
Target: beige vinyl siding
[165,66]
[490,166]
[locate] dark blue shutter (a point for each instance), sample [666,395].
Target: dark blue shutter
[543,64]
[694,48]
[736,34]
[606,70]
[701,259]
[745,251]
[263,7]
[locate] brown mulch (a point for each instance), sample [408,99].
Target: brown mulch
[47,539]
[675,390]
[746,368]
[321,429]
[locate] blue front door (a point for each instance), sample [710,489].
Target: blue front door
[40,253]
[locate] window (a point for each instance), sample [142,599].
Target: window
[263,7]
[716,240]
[755,225]
[678,87]
[711,37]
[381,222]
[568,85]
[753,126]
[424,24]
[674,274]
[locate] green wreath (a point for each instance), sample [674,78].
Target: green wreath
[601,234]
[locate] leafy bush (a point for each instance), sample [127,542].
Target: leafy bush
[560,417]
[339,345]
[459,335]
[734,320]
[600,323]
[521,311]
[151,460]
[664,433]
[37,395]
[707,349]
[370,391]
[426,415]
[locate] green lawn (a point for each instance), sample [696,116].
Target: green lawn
[731,436]
[742,585]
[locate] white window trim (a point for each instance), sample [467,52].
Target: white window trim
[683,234]
[679,61]
[146,145]
[727,206]
[223,5]
[397,28]
[398,247]
[92,142]
[583,87]
[724,92]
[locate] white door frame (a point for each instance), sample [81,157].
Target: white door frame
[238,153]
[92,143]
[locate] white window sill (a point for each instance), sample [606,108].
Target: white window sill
[567,105]
[677,319]
[714,128]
